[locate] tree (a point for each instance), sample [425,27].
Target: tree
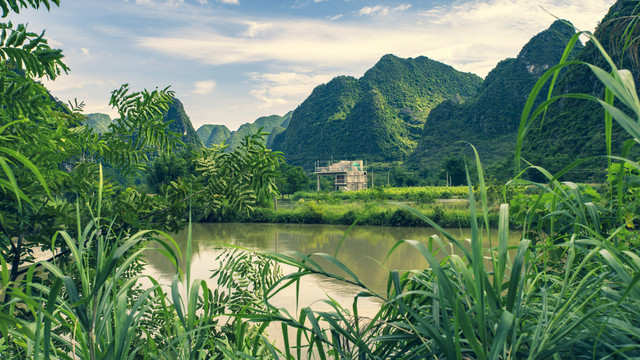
[170,167]
[292,179]
[455,168]
[399,176]
[49,160]
[236,182]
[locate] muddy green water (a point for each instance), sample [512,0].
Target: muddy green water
[363,250]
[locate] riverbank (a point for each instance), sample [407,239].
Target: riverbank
[449,214]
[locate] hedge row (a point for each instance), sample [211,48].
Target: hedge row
[314,213]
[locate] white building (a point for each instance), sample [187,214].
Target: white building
[348,175]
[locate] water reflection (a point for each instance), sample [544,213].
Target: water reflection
[363,249]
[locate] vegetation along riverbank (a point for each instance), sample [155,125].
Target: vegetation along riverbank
[569,287]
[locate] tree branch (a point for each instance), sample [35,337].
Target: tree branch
[169,207]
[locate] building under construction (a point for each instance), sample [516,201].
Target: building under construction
[347,175]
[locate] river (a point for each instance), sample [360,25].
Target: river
[363,250]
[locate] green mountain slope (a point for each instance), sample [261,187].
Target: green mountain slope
[272,135]
[204,131]
[181,124]
[99,122]
[377,117]
[267,123]
[491,118]
[219,135]
[213,134]
[573,128]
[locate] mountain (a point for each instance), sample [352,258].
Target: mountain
[267,123]
[99,122]
[490,119]
[213,134]
[204,131]
[181,124]
[574,128]
[272,135]
[376,117]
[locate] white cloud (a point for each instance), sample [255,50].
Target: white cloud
[216,41]
[285,88]
[382,10]
[234,2]
[255,29]
[84,51]
[335,17]
[472,37]
[204,87]
[374,10]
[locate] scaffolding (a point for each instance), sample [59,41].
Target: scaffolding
[348,175]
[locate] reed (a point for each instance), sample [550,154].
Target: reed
[568,290]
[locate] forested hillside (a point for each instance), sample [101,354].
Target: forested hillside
[377,117]
[213,134]
[98,122]
[217,134]
[573,129]
[181,124]
[491,118]
[267,123]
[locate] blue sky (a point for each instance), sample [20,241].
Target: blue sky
[232,61]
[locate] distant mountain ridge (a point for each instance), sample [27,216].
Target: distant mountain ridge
[216,134]
[490,119]
[267,123]
[176,114]
[378,117]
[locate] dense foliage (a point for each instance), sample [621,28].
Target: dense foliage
[377,117]
[572,128]
[427,194]
[569,290]
[291,179]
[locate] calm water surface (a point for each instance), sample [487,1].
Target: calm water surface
[363,250]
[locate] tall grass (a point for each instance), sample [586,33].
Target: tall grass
[570,294]
[95,306]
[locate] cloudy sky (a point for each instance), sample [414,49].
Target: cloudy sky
[232,61]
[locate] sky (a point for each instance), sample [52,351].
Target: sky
[232,61]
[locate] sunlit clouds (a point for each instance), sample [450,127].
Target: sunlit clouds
[204,87]
[284,88]
[472,37]
[382,10]
[266,57]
